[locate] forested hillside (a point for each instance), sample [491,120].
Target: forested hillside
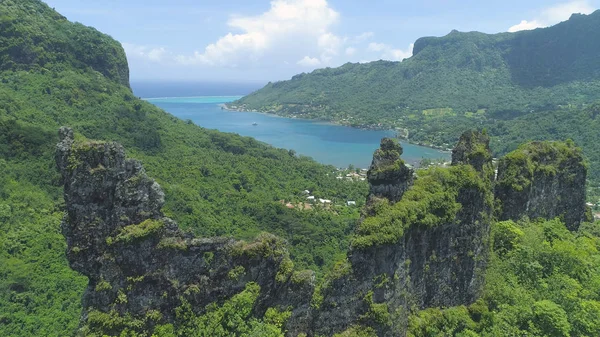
[500,82]
[540,278]
[54,73]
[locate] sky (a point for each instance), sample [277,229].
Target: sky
[261,40]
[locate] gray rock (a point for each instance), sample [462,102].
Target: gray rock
[118,237]
[388,175]
[441,266]
[543,180]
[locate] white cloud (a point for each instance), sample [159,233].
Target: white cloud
[309,62]
[399,54]
[390,53]
[363,37]
[373,46]
[554,15]
[289,27]
[350,51]
[134,51]
[330,45]
[526,25]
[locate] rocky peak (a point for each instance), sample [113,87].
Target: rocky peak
[473,149]
[388,175]
[139,261]
[425,244]
[543,180]
[409,252]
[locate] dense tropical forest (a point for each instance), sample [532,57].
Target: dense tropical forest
[54,73]
[542,281]
[529,85]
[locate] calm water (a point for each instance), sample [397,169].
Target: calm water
[326,143]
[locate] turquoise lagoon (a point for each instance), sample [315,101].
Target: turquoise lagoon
[336,145]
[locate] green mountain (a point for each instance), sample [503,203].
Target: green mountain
[54,73]
[503,82]
[465,72]
[540,279]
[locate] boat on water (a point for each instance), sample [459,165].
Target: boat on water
[255,124]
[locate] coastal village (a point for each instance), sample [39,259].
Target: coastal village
[308,201]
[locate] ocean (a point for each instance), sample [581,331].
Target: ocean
[336,145]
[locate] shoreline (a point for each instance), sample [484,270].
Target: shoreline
[187,97]
[331,122]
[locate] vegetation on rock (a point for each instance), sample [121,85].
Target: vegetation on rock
[541,279]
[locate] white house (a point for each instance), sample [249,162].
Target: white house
[311,198]
[351,203]
[325,201]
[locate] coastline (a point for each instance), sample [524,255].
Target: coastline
[224,106]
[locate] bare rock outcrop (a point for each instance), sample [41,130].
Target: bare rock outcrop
[139,261]
[543,180]
[388,175]
[423,244]
[423,239]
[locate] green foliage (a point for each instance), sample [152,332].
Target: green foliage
[55,73]
[436,322]
[377,313]
[545,158]
[550,319]
[101,324]
[542,280]
[231,318]
[507,236]
[236,273]
[39,293]
[134,232]
[286,268]
[103,285]
[430,202]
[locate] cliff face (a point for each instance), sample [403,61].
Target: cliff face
[425,264]
[473,149]
[139,261]
[543,180]
[422,242]
[388,176]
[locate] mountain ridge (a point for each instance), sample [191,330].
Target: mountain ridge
[540,278]
[468,50]
[459,81]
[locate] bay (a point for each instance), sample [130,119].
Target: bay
[327,143]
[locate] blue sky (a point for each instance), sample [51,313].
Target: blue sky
[258,41]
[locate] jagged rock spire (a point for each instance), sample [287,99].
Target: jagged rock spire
[543,180]
[116,232]
[388,176]
[473,148]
